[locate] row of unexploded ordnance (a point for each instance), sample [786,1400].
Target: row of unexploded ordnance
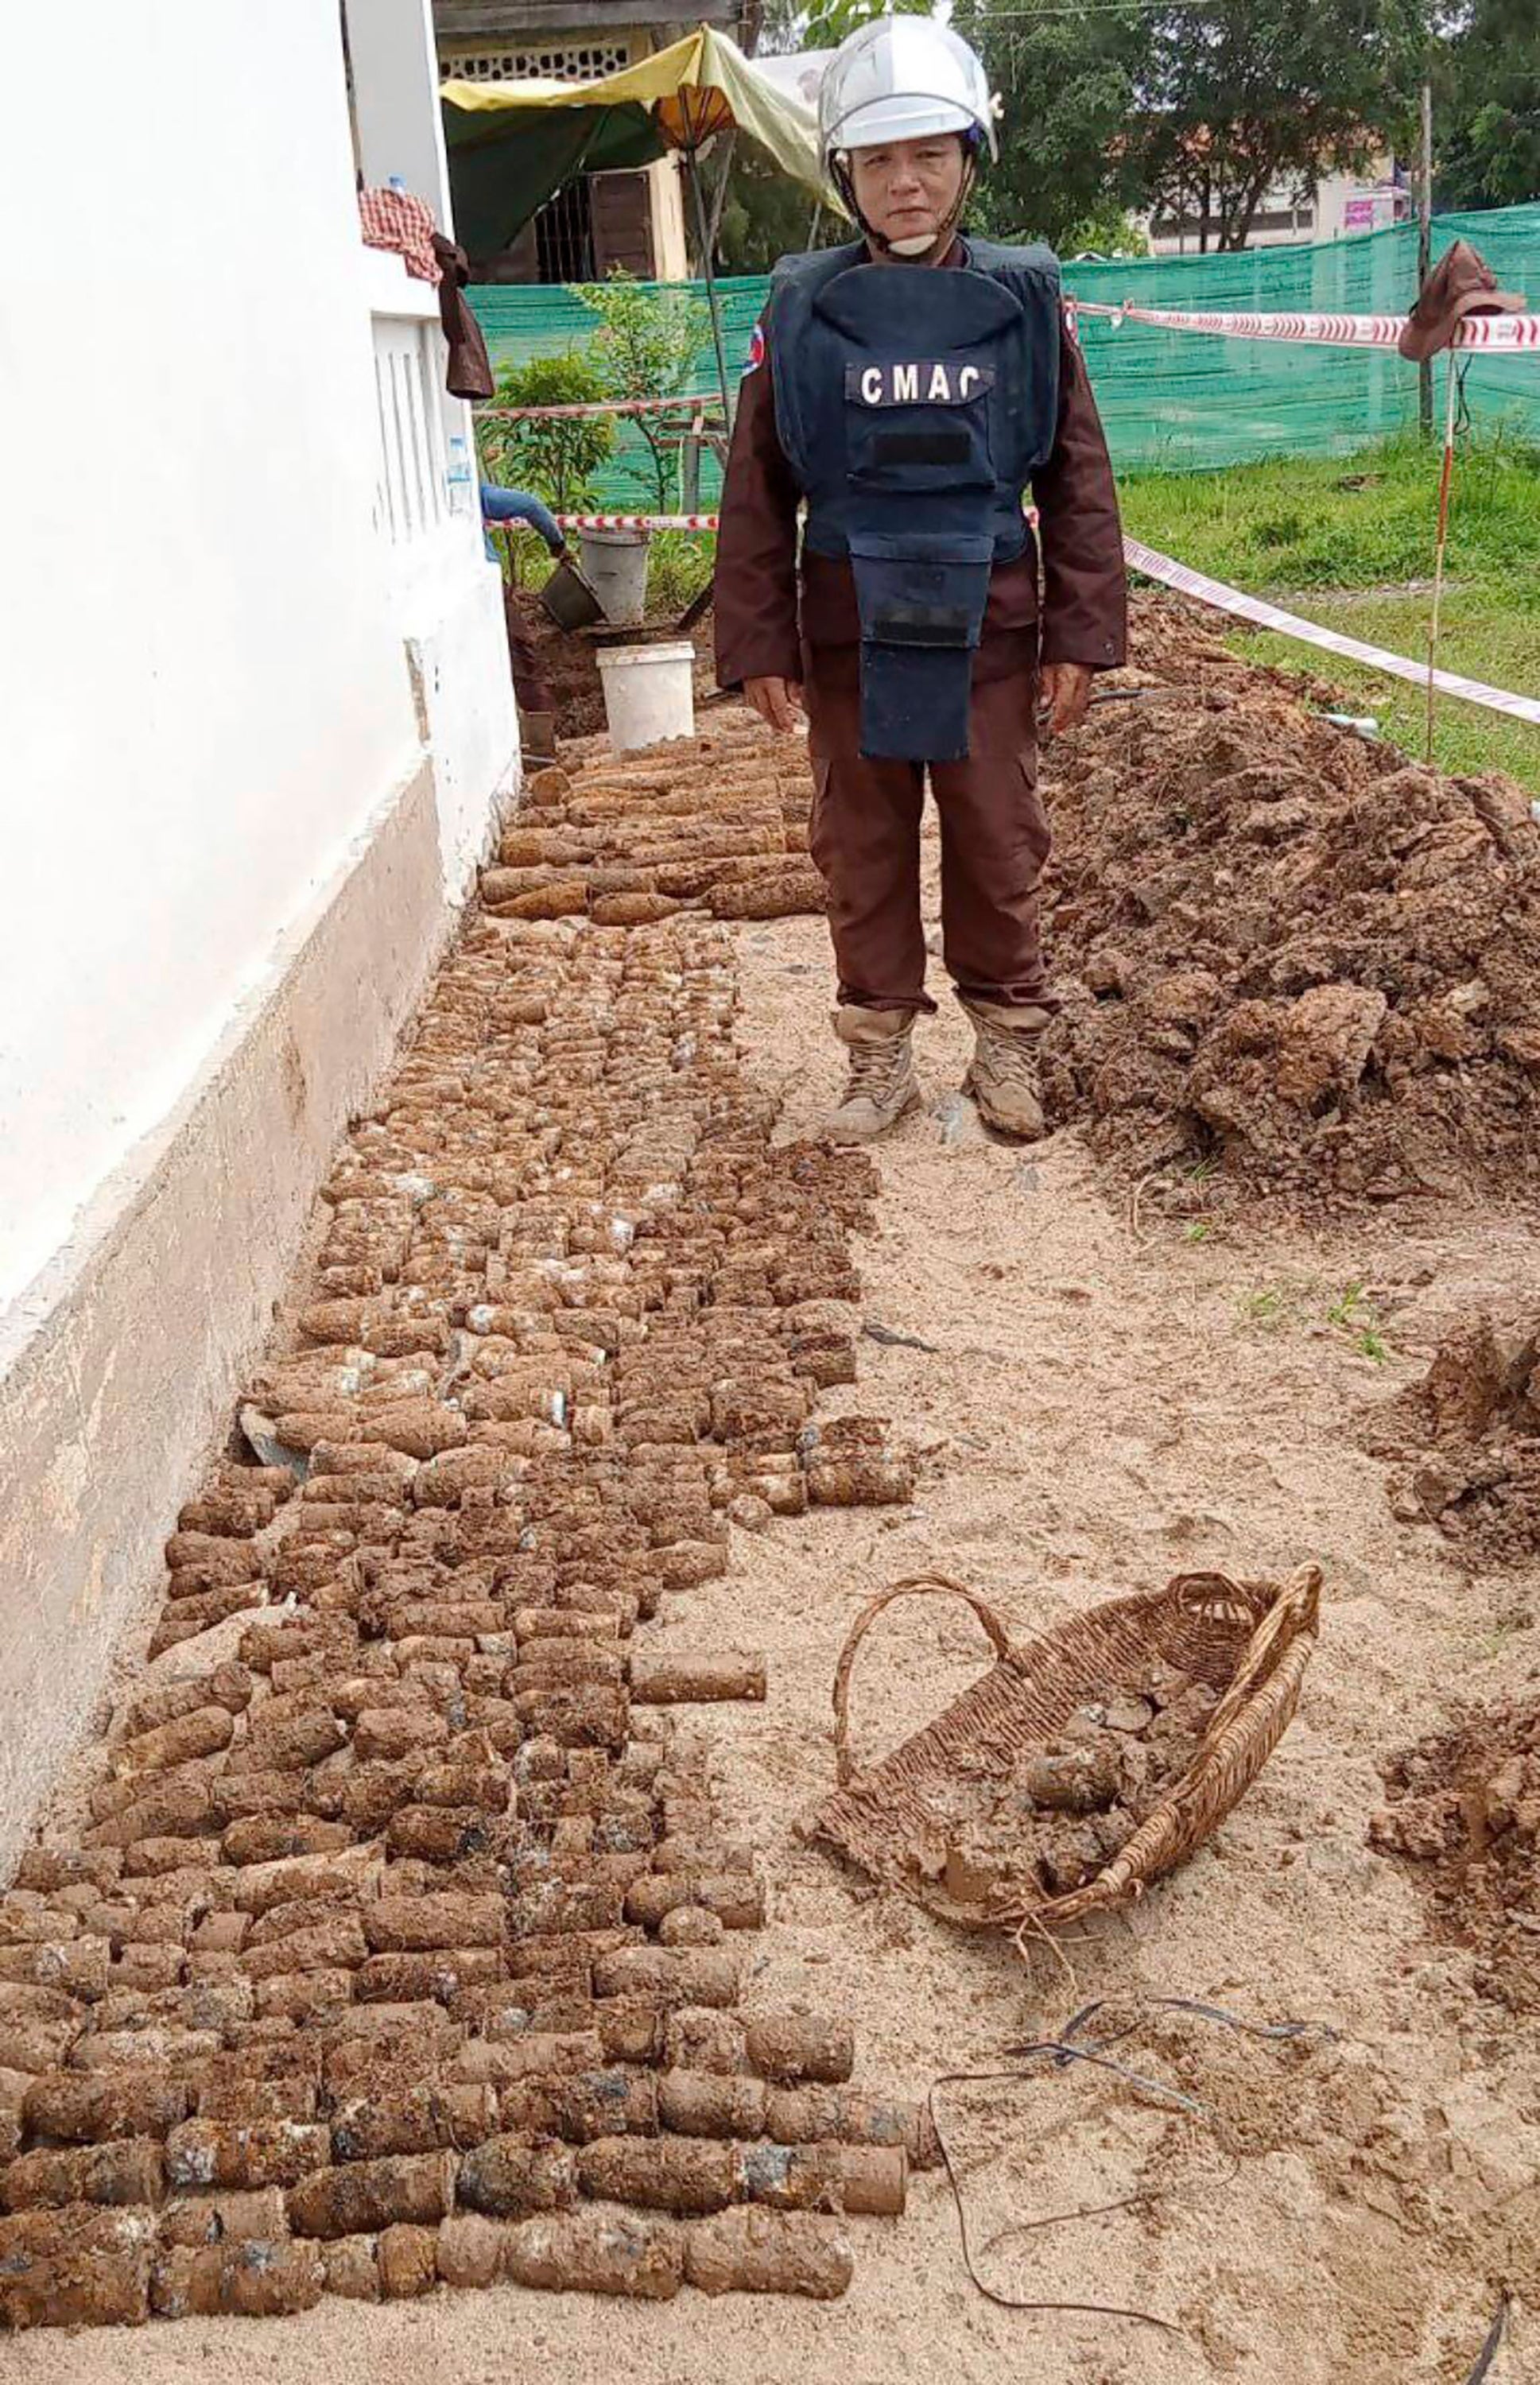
[411,1871]
[721,826]
[86,2265]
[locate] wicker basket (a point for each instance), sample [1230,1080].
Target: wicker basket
[1248,1641]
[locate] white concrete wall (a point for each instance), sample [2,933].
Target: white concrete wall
[201,644]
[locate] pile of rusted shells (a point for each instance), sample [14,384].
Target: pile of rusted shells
[401,1944]
[716,824]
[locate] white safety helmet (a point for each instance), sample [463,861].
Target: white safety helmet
[903,79]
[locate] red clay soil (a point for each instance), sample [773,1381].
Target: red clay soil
[1466,1440]
[1465,1810]
[1287,951]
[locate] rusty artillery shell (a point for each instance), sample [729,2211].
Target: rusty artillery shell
[80,2109]
[736,1898]
[409,2261]
[684,1976]
[561,1664]
[698,2039]
[305,1997]
[229,1514]
[277,1837]
[244,2279]
[867,2179]
[175,1807]
[791,2047]
[589,1713]
[470,2249]
[424,1924]
[351,2267]
[510,2178]
[598,2252]
[710,2103]
[75,1966]
[418,1978]
[413,2120]
[660,2173]
[204,1731]
[204,1562]
[82,2266]
[690,1925]
[362,2197]
[286,1742]
[126,2171]
[223,2152]
[862,1482]
[748,2250]
[259,2215]
[385,1734]
[446,1834]
[541,2054]
[258,1886]
[679,1680]
[486,1785]
[796,2116]
[595,2104]
[336,1943]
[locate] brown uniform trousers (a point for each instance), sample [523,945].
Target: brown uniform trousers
[994,843]
[773,623]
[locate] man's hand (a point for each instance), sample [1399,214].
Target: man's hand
[777,701]
[1065,695]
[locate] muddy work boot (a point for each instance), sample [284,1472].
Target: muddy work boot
[1003,1076]
[881,1084]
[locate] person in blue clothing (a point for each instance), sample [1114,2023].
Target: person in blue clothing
[532,689]
[521,505]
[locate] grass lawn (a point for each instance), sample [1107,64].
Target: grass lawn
[1348,542]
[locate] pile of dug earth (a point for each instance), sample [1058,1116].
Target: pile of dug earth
[1465,1810]
[392,1939]
[1467,1441]
[1285,949]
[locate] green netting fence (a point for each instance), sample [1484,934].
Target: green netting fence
[1174,400]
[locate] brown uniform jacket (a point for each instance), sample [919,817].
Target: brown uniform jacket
[763,630]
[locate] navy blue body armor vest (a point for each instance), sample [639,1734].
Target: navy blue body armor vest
[913,404]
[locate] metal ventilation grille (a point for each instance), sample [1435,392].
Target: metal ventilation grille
[563,62]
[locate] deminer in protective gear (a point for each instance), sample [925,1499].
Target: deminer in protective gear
[907,391]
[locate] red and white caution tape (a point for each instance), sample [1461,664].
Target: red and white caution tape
[622,522]
[1180,576]
[1501,331]
[706,404]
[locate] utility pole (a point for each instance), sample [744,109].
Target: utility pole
[1424,252]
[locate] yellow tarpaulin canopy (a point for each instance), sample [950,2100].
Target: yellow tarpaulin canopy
[692,91]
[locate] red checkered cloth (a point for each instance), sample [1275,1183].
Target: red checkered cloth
[396,220]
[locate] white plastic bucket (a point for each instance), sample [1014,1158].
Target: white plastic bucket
[614,566]
[649,693]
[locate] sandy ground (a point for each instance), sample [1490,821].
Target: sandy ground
[1098,1413]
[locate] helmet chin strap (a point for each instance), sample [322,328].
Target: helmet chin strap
[927,248]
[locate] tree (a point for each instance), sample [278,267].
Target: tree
[1067,82]
[765,215]
[1236,98]
[1489,100]
[1190,107]
[555,459]
[831,21]
[647,345]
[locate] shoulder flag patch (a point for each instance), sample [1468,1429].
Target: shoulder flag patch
[756,350]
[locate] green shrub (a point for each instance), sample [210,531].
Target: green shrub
[556,461]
